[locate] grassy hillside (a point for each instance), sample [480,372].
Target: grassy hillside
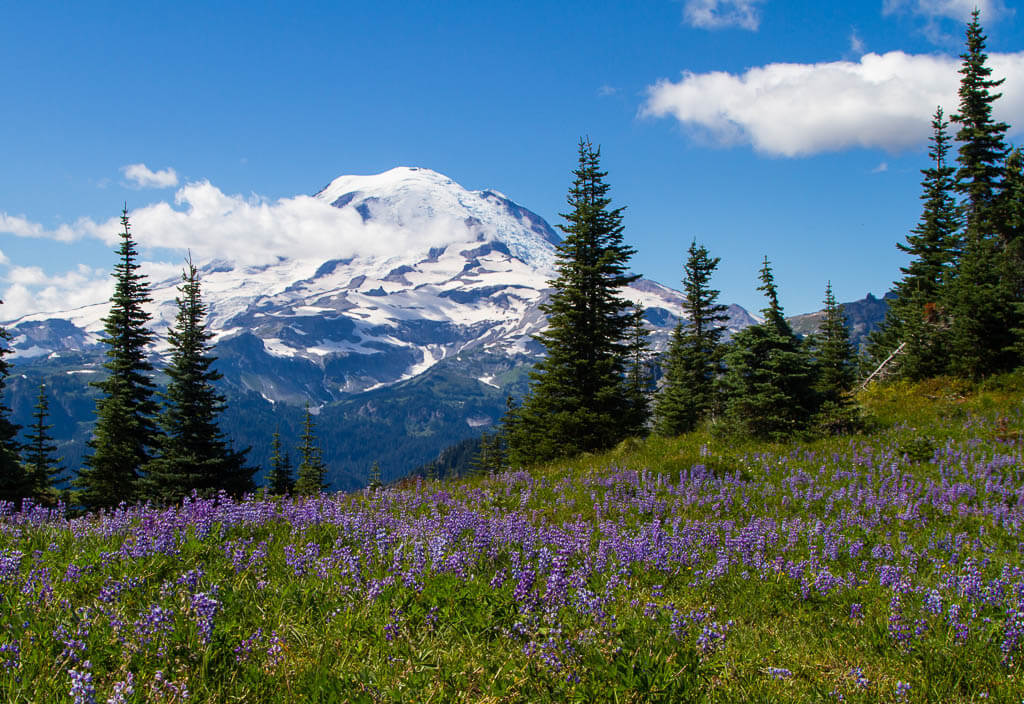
[885,567]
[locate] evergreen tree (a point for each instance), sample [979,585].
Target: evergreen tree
[14,481]
[983,148]
[375,478]
[917,316]
[312,471]
[280,480]
[836,369]
[194,455]
[638,375]
[125,434]
[1012,219]
[41,463]
[694,359]
[578,398]
[768,379]
[982,313]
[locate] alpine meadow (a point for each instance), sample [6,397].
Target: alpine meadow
[476,459]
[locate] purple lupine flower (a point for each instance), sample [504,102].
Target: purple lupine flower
[82,689]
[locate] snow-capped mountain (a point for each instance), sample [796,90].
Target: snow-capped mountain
[459,296]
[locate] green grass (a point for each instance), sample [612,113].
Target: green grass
[412,593]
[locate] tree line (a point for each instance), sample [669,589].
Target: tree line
[959,310]
[148,445]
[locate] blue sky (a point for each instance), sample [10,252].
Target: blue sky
[759,127]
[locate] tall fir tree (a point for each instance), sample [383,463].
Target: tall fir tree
[1012,219]
[312,470]
[125,434]
[14,480]
[982,315]
[42,465]
[578,396]
[193,453]
[279,480]
[918,316]
[694,358]
[768,383]
[983,149]
[835,367]
[639,375]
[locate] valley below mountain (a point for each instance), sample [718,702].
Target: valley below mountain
[398,354]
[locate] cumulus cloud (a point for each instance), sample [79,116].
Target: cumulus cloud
[140,176]
[30,290]
[213,225]
[21,227]
[881,101]
[719,14]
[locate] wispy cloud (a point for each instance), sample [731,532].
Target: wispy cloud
[949,9]
[606,91]
[856,43]
[881,168]
[140,176]
[719,14]
[881,101]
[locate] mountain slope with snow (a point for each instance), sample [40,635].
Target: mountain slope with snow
[458,295]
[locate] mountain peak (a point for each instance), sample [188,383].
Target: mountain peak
[422,200]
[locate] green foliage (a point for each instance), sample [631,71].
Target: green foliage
[15,484]
[311,478]
[768,379]
[375,477]
[694,359]
[125,435]
[279,480]
[983,302]
[193,454]
[639,376]
[918,315]
[835,368]
[578,400]
[42,465]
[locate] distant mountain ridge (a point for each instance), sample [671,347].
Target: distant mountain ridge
[400,353]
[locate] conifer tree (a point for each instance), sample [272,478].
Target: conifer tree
[578,397]
[836,369]
[280,480]
[1012,219]
[125,434]
[694,359]
[638,374]
[193,454]
[918,316]
[42,465]
[768,379]
[312,471]
[983,148]
[981,312]
[375,478]
[14,481]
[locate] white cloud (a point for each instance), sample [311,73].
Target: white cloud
[253,230]
[950,9]
[856,43]
[881,168]
[881,101]
[31,290]
[718,14]
[19,226]
[140,176]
